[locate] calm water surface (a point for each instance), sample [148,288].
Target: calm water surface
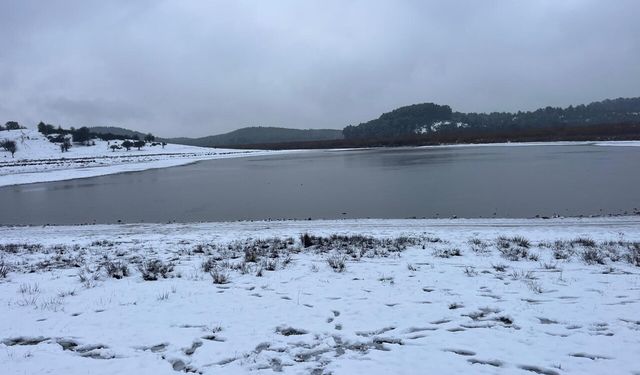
[485,181]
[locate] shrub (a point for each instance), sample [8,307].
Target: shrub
[307,240]
[561,250]
[447,253]
[514,253]
[522,275]
[521,241]
[337,262]
[87,277]
[534,286]
[477,245]
[116,269]
[4,269]
[219,276]
[500,267]
[154,269]
[270,264]
[250,255]
[208,264]
[592,255]
[584,242]
[633,255]
[470,271]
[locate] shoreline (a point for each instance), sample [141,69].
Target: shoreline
[347,225]
[175,160]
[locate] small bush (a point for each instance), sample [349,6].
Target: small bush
[88,278]
[219,276]
[562,250]
[117,269]
[270,264]
[241,267]
[447,253]
[29,289]
[250,255]
[308,240]
[208,265]
[500,267]
[4,269]
[478,246]
[514,253]
[534,286]
[102,243]
[521,241]
[154,269]
[592,255]
[470,271]
[522,275]
[584,242]
[337,262]
[633,255]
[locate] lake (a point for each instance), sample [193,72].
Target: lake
[477,181]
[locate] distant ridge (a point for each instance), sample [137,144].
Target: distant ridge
[115,130]
[429,123]
[261,135]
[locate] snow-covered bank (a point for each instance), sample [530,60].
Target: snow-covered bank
[474,296]
[38,160]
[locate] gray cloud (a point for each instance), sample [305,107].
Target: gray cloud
[204,67]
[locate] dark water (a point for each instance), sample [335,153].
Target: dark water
[390,183]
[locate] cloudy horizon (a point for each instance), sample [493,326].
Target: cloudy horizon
[197,68]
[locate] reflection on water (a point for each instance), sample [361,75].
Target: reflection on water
[387,183]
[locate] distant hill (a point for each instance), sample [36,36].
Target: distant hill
[116,131]
[260,135]
[430,119]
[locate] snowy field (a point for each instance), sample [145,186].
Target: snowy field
[470,296]
[38,160]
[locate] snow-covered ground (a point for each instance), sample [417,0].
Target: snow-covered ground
[554,296]
[38,160]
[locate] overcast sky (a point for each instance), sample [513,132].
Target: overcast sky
[197,68]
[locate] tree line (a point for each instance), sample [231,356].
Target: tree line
[84,134]
[431,119]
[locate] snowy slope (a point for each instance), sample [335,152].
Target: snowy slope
[391,311]
[38,160]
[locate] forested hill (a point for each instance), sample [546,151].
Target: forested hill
[430,119]
[115,130]
[261,135]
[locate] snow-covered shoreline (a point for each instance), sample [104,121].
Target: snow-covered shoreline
[38,160]
[512,296]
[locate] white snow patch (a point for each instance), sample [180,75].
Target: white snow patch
[389,313]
